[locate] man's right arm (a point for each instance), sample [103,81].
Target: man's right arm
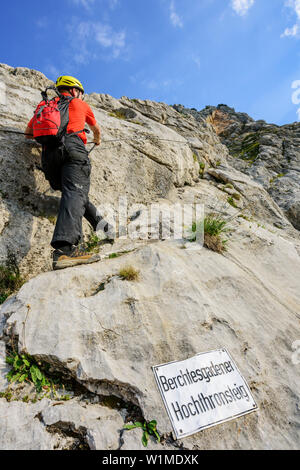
[97,134]
[93,124]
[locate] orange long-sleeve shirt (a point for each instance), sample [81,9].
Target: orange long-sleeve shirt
[79,114]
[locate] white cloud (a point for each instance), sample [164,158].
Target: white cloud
[241,7]
[91,35]
[108,38]
[294,30]
[174,17]
[296,94]
[295,5]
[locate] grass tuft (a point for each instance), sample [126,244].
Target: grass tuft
[213,226]
[129,273]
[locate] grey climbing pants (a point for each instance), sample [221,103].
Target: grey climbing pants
[68,169]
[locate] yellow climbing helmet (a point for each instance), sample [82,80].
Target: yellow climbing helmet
[67,81]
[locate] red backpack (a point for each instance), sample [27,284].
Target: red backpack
[51,118]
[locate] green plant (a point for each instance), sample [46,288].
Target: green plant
[231,201]
[65,397]
[117,114]
[149,428]
[218,163]
[236,196]
[117,255]
[212,226]
[129,273]
[114,255]
[92,244]
[10,278]
[24,368]
[195,157]
[7,395]
[201,169]
[246,149]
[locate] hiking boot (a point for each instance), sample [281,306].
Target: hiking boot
[73,257]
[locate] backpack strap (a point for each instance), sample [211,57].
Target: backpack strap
[51,87]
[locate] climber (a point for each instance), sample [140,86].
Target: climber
[67,168]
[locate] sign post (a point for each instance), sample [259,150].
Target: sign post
[203,391]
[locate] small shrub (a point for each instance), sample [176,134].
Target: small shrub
[195,157]
[128,273]
[10,278]
[236,196]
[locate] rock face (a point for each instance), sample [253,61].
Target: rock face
[105,333]
[48,425]
[269,154]
[148,150]
[186,302]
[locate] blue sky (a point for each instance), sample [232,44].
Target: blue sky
[244,53]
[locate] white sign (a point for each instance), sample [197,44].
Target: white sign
[203,391]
